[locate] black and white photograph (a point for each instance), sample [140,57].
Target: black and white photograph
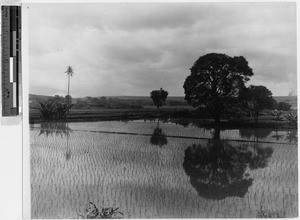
[163,110]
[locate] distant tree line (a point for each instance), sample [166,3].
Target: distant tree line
[111,103]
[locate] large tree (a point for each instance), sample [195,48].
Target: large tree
[215,81]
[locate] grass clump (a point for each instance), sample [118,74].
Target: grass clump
[92,212]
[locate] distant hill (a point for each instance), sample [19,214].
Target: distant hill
[33,97]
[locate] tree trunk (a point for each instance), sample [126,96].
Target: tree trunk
[68,99]
[216,134]
[157,112]
[256,118]
[217,119]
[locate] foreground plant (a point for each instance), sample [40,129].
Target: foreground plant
[265,213]
[92,212]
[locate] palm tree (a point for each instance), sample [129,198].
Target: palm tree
[69,72]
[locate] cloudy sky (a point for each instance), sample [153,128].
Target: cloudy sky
[133,48]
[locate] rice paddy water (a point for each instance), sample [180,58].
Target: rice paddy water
[157,170]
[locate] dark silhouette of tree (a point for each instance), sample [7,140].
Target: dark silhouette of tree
[215,82]
[260,98]
[159,97]
[158,137]
[218,170]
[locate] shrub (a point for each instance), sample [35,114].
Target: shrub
[54,108]
[283,106]
[292,117]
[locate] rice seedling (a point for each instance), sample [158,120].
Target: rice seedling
[92,212]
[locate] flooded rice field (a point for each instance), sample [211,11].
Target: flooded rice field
[158,170]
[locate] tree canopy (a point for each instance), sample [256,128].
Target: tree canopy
[159,97]
[215,81]
[260,98]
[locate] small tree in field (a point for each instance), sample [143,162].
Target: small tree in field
[159,97]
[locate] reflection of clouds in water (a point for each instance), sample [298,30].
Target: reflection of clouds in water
[218,170]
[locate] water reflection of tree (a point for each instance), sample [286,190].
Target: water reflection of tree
[256,134]
[59,129]
[277,136]
[55,128]
[292,136]
[68,151]
[158,137]
[218,170]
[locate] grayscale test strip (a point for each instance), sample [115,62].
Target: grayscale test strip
[11,60]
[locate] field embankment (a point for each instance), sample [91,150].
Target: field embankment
[179,115]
